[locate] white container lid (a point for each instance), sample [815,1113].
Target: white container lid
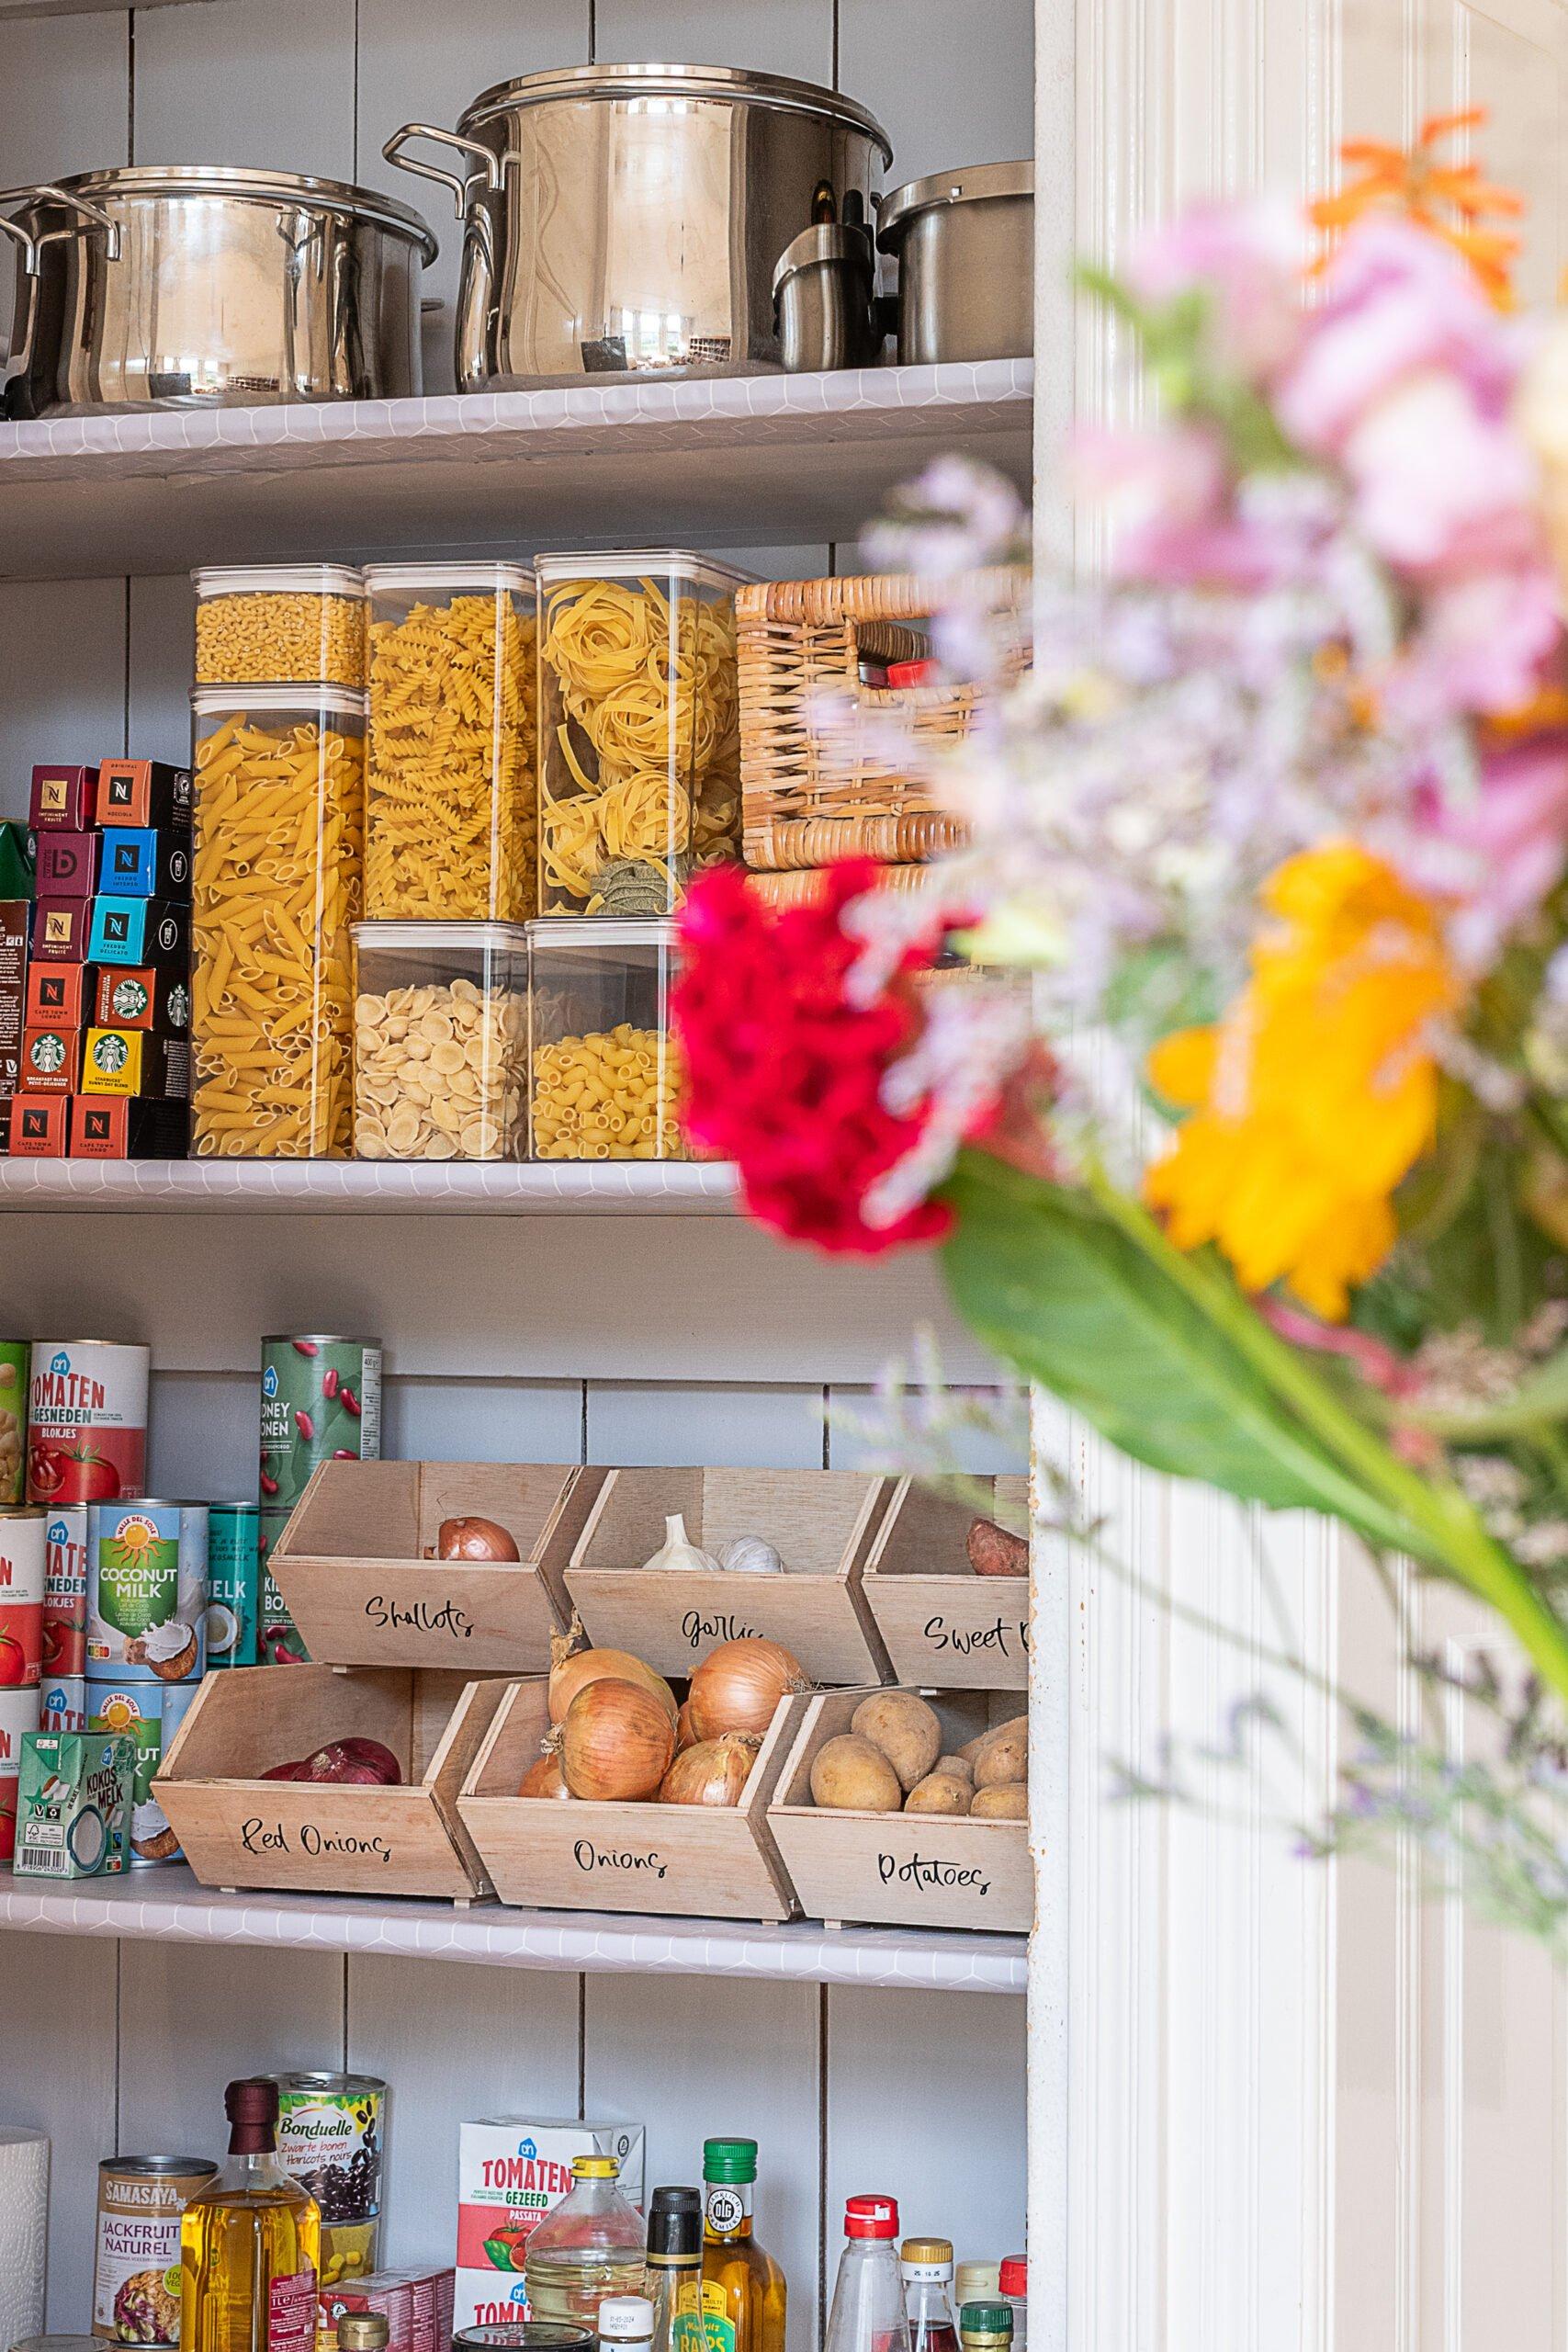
[457,938]
[379,576]
[635,563]
[278,580]
[338,702]
[569,931]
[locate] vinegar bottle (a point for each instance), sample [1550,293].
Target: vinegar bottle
[868,2301]
[744,2295]
[591,2246]
[927,2267]
[250,2242]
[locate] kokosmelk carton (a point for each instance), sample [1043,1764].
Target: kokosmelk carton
[511,2174]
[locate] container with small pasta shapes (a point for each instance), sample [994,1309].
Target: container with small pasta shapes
[278,877]
[604,1078]
[640,735]
[260,624]
[441,1041]
[450,788]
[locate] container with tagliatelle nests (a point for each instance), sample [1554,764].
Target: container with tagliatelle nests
[277,884]
[296,624]
[450,832]
[639,728]
[604,1078]
[440,1041]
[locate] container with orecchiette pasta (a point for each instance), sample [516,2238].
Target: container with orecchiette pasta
[604,1081]
[449,788]
[639,728]
[440,1041]
[278,887]
[295,624]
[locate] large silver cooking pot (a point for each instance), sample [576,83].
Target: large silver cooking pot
[626,220]
[964,243]
[184,286]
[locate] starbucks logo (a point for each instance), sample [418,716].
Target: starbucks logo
[179,1005]
[110,1055]
[129,1001]
[49,1055]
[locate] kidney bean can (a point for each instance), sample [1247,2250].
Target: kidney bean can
[86,1421]
[151,1716]
[321,1401]
[14,1358]
[330,2139]
[136,2276]
[147,1590]
[18,1715]
[233,1576]
[65,1590]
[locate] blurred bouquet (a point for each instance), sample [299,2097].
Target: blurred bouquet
[1263,1167]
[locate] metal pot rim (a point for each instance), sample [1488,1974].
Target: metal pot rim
[826,241]
[973,184]
[731,82]
[224,179]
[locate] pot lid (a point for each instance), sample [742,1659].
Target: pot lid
[827,241]
[731,82]
[223,179]
[972,184]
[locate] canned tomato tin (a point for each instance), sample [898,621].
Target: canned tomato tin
[330,2139]
[86,1421]
[147,1590]
[151,1717]
[234,1573]
[65,1590]
[321,1402]
[136,2276]
[18,1715]
[64,1703]
[21,1598]
[14,1354]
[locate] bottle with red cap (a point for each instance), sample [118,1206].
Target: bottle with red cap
[1014,2285]
[868,2300]
[250,2242]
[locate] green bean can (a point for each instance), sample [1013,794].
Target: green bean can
[321,1401]
[233,1579]
[14,1358]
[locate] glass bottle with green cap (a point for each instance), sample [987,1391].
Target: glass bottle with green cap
[986,2328]
[744,2295]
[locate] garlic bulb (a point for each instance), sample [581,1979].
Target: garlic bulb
[749,1556]
[675,1551]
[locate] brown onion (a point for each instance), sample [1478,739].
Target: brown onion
[617,1742]
[544,1779]
[684,1735]
[714,1772]
[739,1685]
[474,1539]
[572,1670]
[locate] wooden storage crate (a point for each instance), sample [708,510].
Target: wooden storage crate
[708,1862]
[815,789]
[240,1830]
[900,1870]
[942,1623]
[350,1563]
[821,1521]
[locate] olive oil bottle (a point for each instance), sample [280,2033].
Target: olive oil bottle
[744,2295]
[250,2242]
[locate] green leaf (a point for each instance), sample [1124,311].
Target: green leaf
[1065,1296]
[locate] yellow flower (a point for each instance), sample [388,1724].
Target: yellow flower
[1318,1092]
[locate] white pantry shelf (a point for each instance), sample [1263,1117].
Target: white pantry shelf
[167,1905]
[367,1188]
[758,460]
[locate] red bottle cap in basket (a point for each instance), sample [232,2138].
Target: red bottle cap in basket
[870,2217]
[910,673]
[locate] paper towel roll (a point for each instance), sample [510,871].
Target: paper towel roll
[24,2232]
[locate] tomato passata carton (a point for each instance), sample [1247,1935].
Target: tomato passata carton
[511,2174]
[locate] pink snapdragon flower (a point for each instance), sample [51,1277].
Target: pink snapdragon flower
[1245,260]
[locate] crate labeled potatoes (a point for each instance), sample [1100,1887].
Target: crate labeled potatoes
[639,728]
[604,1072]
[948,1588]
[440,1041]
[269,625]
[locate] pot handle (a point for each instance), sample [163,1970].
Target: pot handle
[89,211]
[393,152]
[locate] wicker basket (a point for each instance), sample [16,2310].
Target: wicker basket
[813,791]
[799,886]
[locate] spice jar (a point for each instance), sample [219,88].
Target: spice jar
[441,1041]
[605,1080]
[259,624]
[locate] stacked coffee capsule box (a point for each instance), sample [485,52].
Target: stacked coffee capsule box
[105,1053]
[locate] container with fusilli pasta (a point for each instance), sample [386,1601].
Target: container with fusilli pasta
[639,730]
[450,780]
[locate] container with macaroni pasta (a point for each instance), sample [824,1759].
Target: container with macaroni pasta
[278,886]
[639,734]
[604,1078]
[441,1041]
[449,778]
[296,624]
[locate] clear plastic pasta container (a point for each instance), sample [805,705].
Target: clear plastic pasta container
[639,733]
[604,1079]
[297,623]
[450,788]
[440,1041]
[278,886]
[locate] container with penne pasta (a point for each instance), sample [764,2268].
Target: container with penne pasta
[441,1041]
[265,624]
[605,1080]
[639,741]
[449,829]
[278,885]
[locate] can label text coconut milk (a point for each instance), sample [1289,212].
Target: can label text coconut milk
[147,1590]
[152,1717]
[136,2285]
[86,1421]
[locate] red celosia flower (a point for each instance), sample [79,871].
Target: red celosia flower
[782,1072]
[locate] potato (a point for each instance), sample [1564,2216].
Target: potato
[939,1793]
[904,1728]
[1004,1801]
[1004,1757]
[849,1775]
[971,1749]
[956,1764]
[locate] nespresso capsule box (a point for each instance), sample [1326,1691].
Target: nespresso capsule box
[138,930]
[51,1059]
[127,1127]
[135,1061]
[67,866]
[63,799]
[143,792]
[14,918]
[140,862]
[60,928]
[57,993]
[151,996]
[39,1125]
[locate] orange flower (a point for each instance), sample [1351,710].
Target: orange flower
[1450,200]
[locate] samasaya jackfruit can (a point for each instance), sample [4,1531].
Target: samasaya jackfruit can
[147,1590]
[511,2174]
[141,2200]
[86,1421]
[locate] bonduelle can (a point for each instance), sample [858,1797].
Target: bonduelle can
[147,1590]
[330,2139]
[321,1401]
[86,1421]
[233,1576]
[136,2276]
[65,1590]
[18,1715]
[151,1716]
[21,1598]
[64,1703]
[14,1355]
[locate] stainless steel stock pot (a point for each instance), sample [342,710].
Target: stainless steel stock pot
[964,243]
